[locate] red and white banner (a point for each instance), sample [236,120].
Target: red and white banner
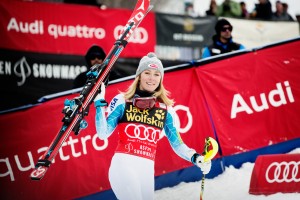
[254,98]
[249,101]
[81,167]
[276,173]
[69,29]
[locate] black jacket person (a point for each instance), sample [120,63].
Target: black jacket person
[222,41]
[94,55]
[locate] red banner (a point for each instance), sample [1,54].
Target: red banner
[276,173]
[69,29]
[254,98]
[81,167]
[249,101]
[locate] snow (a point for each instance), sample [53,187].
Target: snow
[233,184]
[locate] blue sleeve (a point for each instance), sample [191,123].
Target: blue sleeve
[173,135]
[206,53]
[242,47]
[105,126]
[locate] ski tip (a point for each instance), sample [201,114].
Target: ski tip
[150,7]
[38,173]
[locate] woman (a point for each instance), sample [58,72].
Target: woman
[141,114]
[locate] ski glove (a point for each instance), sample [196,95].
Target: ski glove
[198,160]
[99,101]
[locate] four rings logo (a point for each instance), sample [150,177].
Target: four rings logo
[140,35]
[143,133]
[283,172]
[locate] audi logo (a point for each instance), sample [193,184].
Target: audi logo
[142,132]
[140,35]
[283,172]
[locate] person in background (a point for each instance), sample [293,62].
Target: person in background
[245,13]
[285,10]
[212,8]
[222,41]
[94,55]
[229,8]
[142,114]
[189,8]
[262,10]
[280,14]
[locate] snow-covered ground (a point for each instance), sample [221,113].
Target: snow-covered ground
[233,184]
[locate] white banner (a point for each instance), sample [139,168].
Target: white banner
[255,33]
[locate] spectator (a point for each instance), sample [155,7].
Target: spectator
[285,10]
[229,8]
[262,10]
[189,8]
[222,41]
[280,14]
[131,172]
[245,13]
[94,55]
[212,8]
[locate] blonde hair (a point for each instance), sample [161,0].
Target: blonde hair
[161,93]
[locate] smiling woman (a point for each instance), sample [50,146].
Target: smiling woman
[143,113]
[151,75]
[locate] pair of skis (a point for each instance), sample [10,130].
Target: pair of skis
[76,109]
[211,149]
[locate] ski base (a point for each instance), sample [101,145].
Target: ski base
[40,169]
[38,173]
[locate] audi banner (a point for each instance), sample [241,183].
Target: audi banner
[81,166]
[247,101]
[254,98]
[276,173]
[69,28]
[43,46]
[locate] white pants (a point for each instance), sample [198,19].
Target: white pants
[132,177]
